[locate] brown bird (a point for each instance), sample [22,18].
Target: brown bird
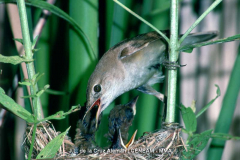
[119,121]
[132,64]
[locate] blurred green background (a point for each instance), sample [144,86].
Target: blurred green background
[67,63]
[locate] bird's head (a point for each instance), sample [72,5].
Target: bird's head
[103,87]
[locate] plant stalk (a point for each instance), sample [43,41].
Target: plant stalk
[29,55]
[33,140]
[226,115]
[173,57]
[215,3]
[143,20]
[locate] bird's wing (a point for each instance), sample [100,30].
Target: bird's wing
[136,44]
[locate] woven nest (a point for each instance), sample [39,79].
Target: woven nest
[165,144]
[45,132]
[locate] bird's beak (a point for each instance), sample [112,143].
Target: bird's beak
[96,103]
[132,104]
[131,140]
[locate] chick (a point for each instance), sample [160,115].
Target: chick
[120,119]
[86,129]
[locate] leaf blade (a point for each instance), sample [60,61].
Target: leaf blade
[15,108]
[189,119]
[13,59]
[50,150]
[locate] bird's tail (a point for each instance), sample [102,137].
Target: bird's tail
[199,37]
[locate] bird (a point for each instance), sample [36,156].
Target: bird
[132,64]
[117,142]
[119,121]
[85,132]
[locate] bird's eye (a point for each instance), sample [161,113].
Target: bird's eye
[97,88]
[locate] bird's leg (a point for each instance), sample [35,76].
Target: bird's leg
[149,90]
[172,65]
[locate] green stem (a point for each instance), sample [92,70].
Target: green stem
[33,140]
[143,20]
[173,56]
[29,55]
[226,115]
[199,20]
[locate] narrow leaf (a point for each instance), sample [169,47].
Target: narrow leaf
[54,92]
[224,136]
[13,59]
[10,105]
[39,93]
[35,76]
[218,90]
[25,83]
[189,119]
[224,40]
[210,103]
[29,96]
[18,40]
[61,114]
[50,150]
[34,42]
[38,77]
[35,50]
[188,50]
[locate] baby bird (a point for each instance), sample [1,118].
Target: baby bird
[120,119]
[86,129]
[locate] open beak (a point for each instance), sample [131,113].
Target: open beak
[96,103]
[132,103]
[131,140]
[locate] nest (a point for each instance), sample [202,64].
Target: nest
[164,144]
[45,132]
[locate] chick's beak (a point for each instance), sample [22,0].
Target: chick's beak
[132,104]
[98,104]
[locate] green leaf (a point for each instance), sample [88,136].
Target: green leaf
[34,42]
[224,40]
[224,136]
[35,76]
[218,90]
[18,40]
[210,103]
[29,96]
[197,143]
[189,119]
[25,83]
[35,50]
[54,92]
[13,59]
[50,150]
[188,50]
[61,114]
[39,93]
[38,77]
[57,11]
[9,104]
